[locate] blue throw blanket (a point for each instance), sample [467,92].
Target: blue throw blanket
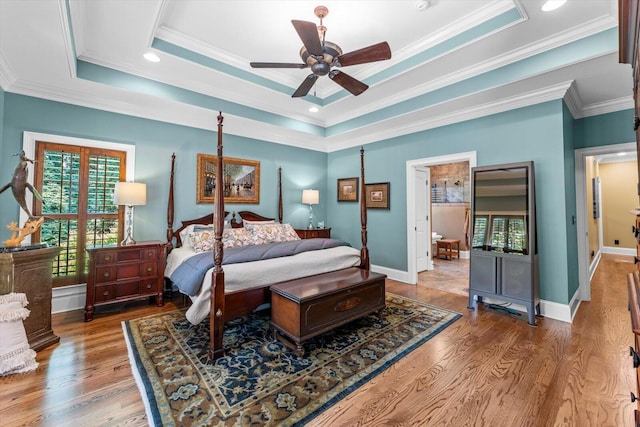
[189,275]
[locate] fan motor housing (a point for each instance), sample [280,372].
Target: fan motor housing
[321,65]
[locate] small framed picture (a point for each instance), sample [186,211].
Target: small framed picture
[377,195]
[347,189]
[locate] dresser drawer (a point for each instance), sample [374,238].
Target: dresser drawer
[106,274]
[148,269]
[148,287]
[150,254]
[104,293]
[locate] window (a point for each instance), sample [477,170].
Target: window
[77,183]
[479,231]
[508,233]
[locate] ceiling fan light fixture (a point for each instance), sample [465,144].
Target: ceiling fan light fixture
[550,5]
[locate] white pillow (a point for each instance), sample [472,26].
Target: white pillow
[15,354]
[247,222]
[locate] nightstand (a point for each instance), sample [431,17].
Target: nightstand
[124,273]
[314,233]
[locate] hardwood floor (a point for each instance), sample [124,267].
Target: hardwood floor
[487,369]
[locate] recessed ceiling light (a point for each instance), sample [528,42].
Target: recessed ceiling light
[151,57]
[422,5]
[314,109]
[622,154]
[550,5]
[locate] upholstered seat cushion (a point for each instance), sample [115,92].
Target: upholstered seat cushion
[15,354]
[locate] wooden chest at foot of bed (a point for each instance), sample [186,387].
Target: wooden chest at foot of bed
[306,307]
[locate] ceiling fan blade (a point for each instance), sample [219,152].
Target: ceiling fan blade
[308,33]
[376,52]
[305,87]
[356,87]
[276,65]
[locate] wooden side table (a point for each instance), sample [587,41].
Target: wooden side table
[29,272]
[124,273]
[314,233]
[448,248]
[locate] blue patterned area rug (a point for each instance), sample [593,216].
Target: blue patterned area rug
[261,381]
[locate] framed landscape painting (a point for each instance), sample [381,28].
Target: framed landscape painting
[347,189]
[241,180]
[377,195]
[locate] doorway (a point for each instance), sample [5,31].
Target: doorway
[585,269]
[416,209]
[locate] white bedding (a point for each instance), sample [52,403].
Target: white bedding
[259,273]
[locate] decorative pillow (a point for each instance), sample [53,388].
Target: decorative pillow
[15,354]
[236,237]
[202,240]
[272,233]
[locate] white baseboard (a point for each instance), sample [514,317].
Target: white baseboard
[550,309]
[400,276]
[615,250]
[594,265]
[68,298]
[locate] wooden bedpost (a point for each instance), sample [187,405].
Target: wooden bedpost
[364,251]
[216,317]
[170,212]
[280,215]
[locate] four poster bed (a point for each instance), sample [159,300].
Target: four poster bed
[246,285]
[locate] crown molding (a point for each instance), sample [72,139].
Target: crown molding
[610,106]
[7,75]
[67,37]
[572,100]
[482,110]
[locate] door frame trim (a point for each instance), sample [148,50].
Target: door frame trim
[470,156]
[581,154]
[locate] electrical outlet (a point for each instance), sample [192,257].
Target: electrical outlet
[593,253]
[616,242]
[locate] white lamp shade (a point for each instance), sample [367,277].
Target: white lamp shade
[310,197]
[130,193]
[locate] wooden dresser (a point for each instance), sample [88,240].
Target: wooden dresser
[124,273]
[629,32]
[314,233]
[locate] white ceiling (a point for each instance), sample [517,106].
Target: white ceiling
[457,60]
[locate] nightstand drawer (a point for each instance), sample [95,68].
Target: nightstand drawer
[314,233]
[148,286]
[104,293]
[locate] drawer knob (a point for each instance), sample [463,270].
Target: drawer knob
[633,397]
[107,258]
[149,269]
[150,254]
[149,285]
[106,274]
[105,293]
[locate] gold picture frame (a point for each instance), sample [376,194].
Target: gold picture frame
[377,195]
[348,189]
[241,180]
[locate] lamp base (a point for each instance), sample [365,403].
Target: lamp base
[128,241]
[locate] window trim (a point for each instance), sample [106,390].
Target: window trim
[29,146]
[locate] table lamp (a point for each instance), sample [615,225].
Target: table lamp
[310,197]
[129,194]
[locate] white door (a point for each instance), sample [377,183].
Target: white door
[423,227]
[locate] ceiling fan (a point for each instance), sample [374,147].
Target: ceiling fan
[321,56]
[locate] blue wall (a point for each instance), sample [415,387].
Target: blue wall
[533,133]
[155,142]
[605,129]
